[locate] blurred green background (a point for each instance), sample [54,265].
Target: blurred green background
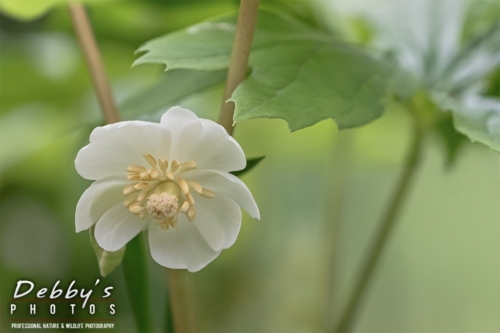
[289,272]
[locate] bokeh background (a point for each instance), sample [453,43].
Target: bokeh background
[320,193]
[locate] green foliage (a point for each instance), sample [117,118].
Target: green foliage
[454,72]
[108,261]
[299,74]
[169,91]
[476,116]
[31,9]
[251,163]
[452,139]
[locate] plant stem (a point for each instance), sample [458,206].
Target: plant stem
[247,19]
[334,211]
[134,262]
[136,279]
[386,227]
[94,62]
[181,301]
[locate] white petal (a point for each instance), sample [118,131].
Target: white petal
[218,220]
[117,227]
[228,185]
[217,150]
[114,147]
[186,131]
[180,247]
[99,197]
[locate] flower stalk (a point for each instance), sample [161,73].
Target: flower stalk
[134,263]
[94,62]
[242,45]
[382,237]
[181,301]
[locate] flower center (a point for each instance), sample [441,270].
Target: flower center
[161,192]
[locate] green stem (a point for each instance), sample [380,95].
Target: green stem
[136,278]
[382,237]
[334,211]
[181,302]
[242,45]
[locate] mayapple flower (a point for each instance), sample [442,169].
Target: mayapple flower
[171,178]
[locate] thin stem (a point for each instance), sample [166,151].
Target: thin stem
[135,270]
[386,227]
[334,212]
[247,19]
[181,301]
[94,62]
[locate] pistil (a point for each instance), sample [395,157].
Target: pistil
[161,192]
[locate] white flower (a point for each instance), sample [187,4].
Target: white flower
[171,178]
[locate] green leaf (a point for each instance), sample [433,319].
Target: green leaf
[251,163]
[136,278]
[108,261]
[452,139]
[169,91]
[449,68]
[299,74]
[31,9]
[475,116]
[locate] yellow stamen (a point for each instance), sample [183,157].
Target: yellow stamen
[185,167]
[183,185]
[175,165]
[130,201]
[129,189]
[185,207]
[145,176]
[135,169]
[191,214]
[143,195]
[163,164]
[134,176]
[195,186]
[136,209]
[207,193]
[151,160]
[141,186]
[190,199]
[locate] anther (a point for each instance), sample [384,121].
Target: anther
[145,176]
[163,164]
[143,214]
[175,165]
[130,201]
[151,160]
[195,186]
[134,176]
[190,199]
[191,214]
[136,209]
[143,195]
[170,175]
[185,207]
[154,174]
[183,185]
[207,193]
[130,189]
[135,169]
[185,167]
[141,186]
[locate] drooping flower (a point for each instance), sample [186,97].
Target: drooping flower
[171,178]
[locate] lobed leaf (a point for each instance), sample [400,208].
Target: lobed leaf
[169,91]
[297,73]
